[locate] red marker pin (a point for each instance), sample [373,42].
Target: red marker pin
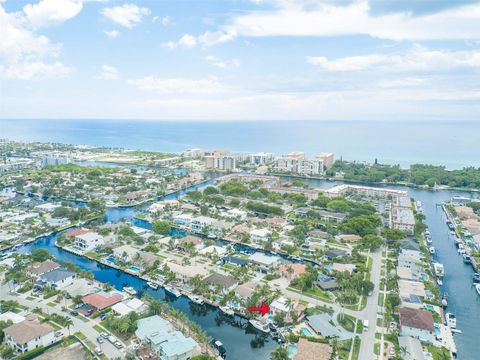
[263,309]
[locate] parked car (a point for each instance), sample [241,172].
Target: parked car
[118,344]
[58,333]
[112,339]
[73,313]
[100,340]
[104,335]
[98,351]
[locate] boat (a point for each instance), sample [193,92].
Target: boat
[476,278]
[260,325]
[439,270]
[439,282]
[428,239]
[451,320]
[196,299]
[227,310]
[130,290]
[217,344]
[477,287]
[172,291]
[444,302]
[152,285]
[467,259]
[431,249]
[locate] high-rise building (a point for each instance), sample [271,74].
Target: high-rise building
[327,159]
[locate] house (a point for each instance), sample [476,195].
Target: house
[189,240]
[323,325]
[349,238]
[264,263]
[182,219]
[309,350]
[42,268]
[88,242]
[408,287]
[409,258]
[405,273]
[186,272]
[259,235]
[334,253]
[11,316]
[128,306]
[76,232]
[166,342]
[224,281]
[281,305]
[58,278]
[235,260]
[29,334]
[199,223]
[213,249]
[99,301]
[244,291]
[47,207]
[327,284]
[236,214]
[350,268]
[410,348]
[417,323]
[292,271]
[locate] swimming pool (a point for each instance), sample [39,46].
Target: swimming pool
[292,350]
[134,269]
[306,331]
[111,259]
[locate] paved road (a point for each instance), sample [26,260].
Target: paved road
[78,325]
[370,311]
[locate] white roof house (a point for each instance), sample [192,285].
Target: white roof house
[128,306]
[48,207]
[88,241]
[259,234]
[281,305]
[10,315]
[263,261]
[213,248]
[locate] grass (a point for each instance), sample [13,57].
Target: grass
[30,298]
[347,322]
[99,328]
[359,327]
[315,293]
[380,300]
[438,353]
[376,349]
[356,348]
[51,304]
[378,336]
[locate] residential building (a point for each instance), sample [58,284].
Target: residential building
[42,268]
[128,306]
[199,223]
[264,263]
[259,235]
[326,158]
[296,162]
[309,350]
[166,342]
[224,281]
[261,158]
[99,301]
[410,348]
[58,278]
[88,242]
[417,323]
[29,334]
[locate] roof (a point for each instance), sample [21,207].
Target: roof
[245,290]
[350,237]
[226,281]
[126,307]
[90,236]
[298,269]
[411,288]
[76,232]
[42,268]
[100,302]
[10,315]
[327,285]
[27,330]
[57,275]
[410,348]
[261,258]
[416,318]
[335,253]
[146,327]
[235,260]
[308,350]
[321,324]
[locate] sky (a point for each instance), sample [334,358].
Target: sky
[240,60]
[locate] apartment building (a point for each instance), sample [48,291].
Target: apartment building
[326,158]
[260,158]
[298,163]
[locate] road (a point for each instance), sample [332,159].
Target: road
[78,325]
[370,311]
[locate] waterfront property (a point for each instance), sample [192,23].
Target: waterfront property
[29,334]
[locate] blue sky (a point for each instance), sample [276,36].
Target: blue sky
[240,60]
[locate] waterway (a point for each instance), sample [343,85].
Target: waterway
[243,342]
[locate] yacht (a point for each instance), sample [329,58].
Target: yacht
[217,344]
[172,291]
[260,325]
[467,259]
[227,310]
[444,302]
[477,287]
[130,290]
[152,285]
[439,282]
[431,249]
[439,270]
[476,278]
[428,239]
[451,320]
[196,299]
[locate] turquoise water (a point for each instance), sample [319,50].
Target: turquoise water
[134,268]
[306,331]
[292,350]
[453,143]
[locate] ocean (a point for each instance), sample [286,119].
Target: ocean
[453,143]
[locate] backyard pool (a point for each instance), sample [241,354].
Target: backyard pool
[292,350]
[134,269]
[306,331]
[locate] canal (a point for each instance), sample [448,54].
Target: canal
[242,342]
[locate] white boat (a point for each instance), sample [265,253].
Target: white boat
[439,270]
[431,249]
[152,285]
[477,287]
[172,291]
[451,320]
[439,282]
[260,325]
[196,299]
[429,239]
[227,310]
[130,290]
[444,302]
[467,259]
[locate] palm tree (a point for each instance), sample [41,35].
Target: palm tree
[67,323]
[279,354]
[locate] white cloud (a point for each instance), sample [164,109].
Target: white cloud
[418,58]
[297,18]
[223,64]
[25,55]
[177,85]
[187,41]
[165,20]
[207,39]
[108,73]
[399,83]
[52,12]
[127,15]
[111,33]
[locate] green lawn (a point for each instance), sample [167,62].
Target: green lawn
[347,322]
[376,349]
[356,348]
[315,292]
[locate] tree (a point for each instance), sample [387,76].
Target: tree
[279,354]
[161,227]
[40,255]
[372,242]
[210,190]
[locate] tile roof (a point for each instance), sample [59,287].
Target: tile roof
[308,350]
[226,281]
[27,330]
[416,318]
[57,275]
[76,232]
[100,302]
[42,268]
